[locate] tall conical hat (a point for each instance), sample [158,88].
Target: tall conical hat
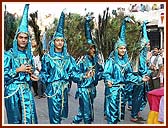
[60,27]
[121,40]
[59,33]
[144,35]
[122,34]
[44,42]
[23,28]
[88,34]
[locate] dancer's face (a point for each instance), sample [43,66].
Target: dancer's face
[121,50]
[59,43]
[22,40]
[92,51]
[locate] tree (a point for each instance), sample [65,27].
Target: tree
[10,27]
[75,34]
[105,34]
[37,31]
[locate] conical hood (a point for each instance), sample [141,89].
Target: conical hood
[60,27]
[121,41]
[144,36]
[23,28]
[44,42]
[59,33]
[143,68]
[122,34]
[88,34]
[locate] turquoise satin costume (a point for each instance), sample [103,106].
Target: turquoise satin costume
[115,71]
[19,100]
[119,72]
[139,96]
[55,73]
[86,91]
[58,68]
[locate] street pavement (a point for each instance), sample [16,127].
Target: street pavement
[42,110]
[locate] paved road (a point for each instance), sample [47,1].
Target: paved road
[42,109]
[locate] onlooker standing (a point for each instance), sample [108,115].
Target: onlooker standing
[35,55]
[39,88]
[161,52]
[156,64]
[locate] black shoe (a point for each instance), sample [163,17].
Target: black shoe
[43,96]
[74,122]
[129,108]
[137,121]
[141,118]
[39,97]
[35,95]
[105,117]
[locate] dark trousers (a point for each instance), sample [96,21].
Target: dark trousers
[35,87]
[154,82]
[41,88]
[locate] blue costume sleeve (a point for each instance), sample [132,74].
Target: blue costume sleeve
[10,66]
[108,70]
[74,71]
[132,77]
[44,76]
[99,71]
[143,68]
[9,72]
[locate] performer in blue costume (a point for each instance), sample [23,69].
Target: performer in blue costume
[18,75]
[139,100]
[117,73]
[87,89]
[58,68]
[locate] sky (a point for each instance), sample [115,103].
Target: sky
[55,8]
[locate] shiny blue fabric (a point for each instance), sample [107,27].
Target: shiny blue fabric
[119,72]
[59,33]
[23,28]
[88,34]
[44,41]
[122,34]
[139,99]
[56,73]
[87,89]
[140,91]
[19,101]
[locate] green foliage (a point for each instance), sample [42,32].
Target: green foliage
[74,33]
[37,31]
[105,34]
[51,30]
[10,26]
[132,38]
